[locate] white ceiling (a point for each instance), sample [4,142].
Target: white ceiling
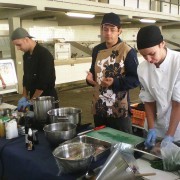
[55,10]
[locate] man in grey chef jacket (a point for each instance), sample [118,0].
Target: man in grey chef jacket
[159,76]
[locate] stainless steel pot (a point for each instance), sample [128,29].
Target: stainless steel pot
[72,115]
[41,106]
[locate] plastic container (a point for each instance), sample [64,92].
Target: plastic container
[138,117]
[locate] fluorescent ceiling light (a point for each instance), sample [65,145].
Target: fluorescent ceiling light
[147,20]
[80,15]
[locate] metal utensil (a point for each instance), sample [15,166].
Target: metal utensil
[94,129]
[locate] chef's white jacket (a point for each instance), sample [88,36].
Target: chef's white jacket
[161,85]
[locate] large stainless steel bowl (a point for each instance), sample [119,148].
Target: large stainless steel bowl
[56,133]
[74,157]
[70,114]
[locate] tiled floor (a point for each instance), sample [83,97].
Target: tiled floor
[77,97]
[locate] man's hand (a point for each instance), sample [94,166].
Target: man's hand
[151,138]
[168,139]
[106,82]
[89,78]
[23,103]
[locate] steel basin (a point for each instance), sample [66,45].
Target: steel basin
[57,133]
[70,114]
[73,157]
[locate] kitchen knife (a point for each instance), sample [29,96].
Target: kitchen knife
[94,129]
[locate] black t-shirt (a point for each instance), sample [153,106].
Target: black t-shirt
[39,71]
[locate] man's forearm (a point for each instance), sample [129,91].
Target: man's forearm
[37,93]
[174,118]
[150,109]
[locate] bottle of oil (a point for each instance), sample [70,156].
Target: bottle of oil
[2,130]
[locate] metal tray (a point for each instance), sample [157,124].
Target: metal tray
[141,151]
[102,148]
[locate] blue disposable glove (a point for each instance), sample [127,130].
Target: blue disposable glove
[167,139]
[20,103]
[151,138]
[23,99]
[23,103]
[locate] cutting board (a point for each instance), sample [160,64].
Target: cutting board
[114,136]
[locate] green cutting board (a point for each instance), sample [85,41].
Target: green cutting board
[114,136]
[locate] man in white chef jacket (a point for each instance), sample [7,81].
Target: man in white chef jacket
[159,76]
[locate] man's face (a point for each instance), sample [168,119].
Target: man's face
[21,44]
[110,33]
[154,55]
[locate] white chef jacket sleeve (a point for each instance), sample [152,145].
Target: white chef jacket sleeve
[176,90]
[145,96]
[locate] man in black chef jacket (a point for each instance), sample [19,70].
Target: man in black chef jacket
[39,72]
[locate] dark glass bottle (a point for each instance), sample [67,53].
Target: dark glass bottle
[30,140]
[26,124]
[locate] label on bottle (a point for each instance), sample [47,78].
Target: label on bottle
[30,140]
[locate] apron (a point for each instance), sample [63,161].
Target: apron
[106,101]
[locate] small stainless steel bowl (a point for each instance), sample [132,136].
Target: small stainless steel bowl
[57,133]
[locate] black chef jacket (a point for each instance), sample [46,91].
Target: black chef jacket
[39,72]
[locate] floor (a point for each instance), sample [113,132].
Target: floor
[76,96]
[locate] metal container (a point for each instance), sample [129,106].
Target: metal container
[73,157]
[41,106]
[101,148]
[119,165]
[57,133]
[72,114]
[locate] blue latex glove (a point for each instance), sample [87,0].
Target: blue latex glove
[20,103]
[151,138]
[23,99]
[167,139]
[23,105]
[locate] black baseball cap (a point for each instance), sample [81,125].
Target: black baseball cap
[111,18]
[149,36]
[19,33]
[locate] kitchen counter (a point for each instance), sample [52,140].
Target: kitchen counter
[17,163]
[6,105]
[145,167]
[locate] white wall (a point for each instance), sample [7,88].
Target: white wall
[172,35]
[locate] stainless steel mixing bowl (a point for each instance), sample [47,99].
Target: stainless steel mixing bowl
[74,157]
[56,133]
[69,114]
